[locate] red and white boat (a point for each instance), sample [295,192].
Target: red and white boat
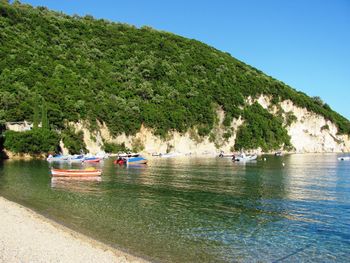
[76,172]
[92,160]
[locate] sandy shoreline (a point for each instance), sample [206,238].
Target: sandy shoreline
[26,236]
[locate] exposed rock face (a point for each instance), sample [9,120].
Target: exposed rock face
[309,133]
[313,133]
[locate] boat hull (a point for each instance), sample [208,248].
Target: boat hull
[95,160]
[246,158]
[61,158]
[75,173]
[136,160]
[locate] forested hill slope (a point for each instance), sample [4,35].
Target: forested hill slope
[117,74]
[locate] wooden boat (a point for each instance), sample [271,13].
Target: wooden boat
[89,172]
[344,158]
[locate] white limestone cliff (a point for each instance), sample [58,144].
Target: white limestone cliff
[310,133]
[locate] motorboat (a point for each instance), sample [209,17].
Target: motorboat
[244,158]
[58,158]
[344,158]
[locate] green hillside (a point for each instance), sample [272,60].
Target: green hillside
[88,69]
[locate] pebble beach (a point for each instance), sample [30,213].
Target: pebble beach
[26,236]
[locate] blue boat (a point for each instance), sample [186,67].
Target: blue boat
[136,160]
[76,159]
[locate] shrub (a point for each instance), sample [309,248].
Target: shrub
[137,145]
[33,142]
[325,127]
[261,129]
[73,141]
[115,147]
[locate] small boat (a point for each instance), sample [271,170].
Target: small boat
[57,158]
[344,158]
[226,155]
[222,154]
[88,172]
[120,161]
[76,159]
[279,153]
[127,155]
[169,155]
[102,155]
[92,160]
[136,160]
[244,158]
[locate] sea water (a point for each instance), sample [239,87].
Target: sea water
[190,209]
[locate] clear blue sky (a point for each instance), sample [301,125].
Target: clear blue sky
[304,43]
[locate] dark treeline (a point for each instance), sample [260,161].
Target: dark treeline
[96,70]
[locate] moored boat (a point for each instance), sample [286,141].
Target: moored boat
[120,161]
[222,154]
[169,155]
[92,160]
[136,160]
[244,158]
[76,159]
[128,155]
[57,158]
[226,155]
[344,158]
[89,172]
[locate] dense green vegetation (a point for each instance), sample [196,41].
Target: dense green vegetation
[73,141]
[115,148]
[36,141]
[95,70]
[261,129]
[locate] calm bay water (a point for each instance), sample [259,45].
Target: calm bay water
[201,209]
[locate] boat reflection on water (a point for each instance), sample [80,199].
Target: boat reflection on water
[76,184]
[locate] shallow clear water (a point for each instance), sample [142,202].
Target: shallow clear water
[201,209]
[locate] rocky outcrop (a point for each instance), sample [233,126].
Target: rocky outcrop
[313,133]
[309,132]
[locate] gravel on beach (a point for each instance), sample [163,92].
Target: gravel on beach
[26,236]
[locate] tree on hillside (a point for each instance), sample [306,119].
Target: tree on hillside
[36,112]
[44,120]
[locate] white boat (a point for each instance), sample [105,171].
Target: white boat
[76,159]
[58,158]
[102,155]
[245,158]
[344,158]
[226,155]
[127,155]
[169,155]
